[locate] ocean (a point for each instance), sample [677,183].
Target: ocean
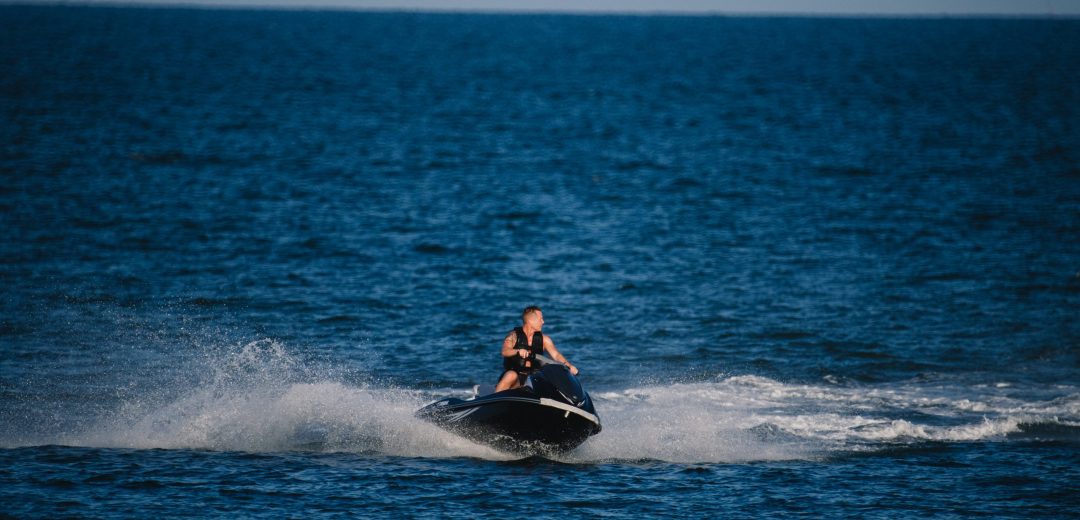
[807,266]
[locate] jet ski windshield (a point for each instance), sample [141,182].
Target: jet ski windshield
[558,377]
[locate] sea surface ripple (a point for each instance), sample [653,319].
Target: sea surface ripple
[807,266]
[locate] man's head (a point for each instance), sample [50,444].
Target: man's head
[533,317]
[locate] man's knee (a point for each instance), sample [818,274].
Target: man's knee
[507,381]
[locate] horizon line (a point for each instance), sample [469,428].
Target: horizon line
[331,7]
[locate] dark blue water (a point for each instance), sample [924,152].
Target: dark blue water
[820,267]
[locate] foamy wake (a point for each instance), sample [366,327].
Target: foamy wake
[256,403]
[326,416]
[259,399]
[755,418]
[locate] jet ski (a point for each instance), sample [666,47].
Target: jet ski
[551,413]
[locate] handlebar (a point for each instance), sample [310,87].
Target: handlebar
[541,359]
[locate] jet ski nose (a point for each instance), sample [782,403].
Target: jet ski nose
[568,387]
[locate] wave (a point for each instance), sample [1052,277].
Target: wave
[326,416]
[745,418]
[262,399]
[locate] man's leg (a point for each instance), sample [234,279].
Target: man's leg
[508,380]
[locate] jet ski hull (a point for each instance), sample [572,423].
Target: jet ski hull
[516,421]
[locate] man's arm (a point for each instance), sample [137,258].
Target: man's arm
[508,349]
[549,346]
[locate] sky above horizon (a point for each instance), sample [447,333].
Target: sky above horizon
[878,7]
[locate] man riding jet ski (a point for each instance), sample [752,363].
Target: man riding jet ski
[538,406]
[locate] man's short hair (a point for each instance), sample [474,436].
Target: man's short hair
[529,310]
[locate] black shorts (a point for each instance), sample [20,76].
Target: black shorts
[521,375]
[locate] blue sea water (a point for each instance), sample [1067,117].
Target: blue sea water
[807,266]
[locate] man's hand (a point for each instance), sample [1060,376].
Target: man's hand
[573,369]
[523,353]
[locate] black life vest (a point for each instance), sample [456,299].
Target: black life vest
[516,362]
